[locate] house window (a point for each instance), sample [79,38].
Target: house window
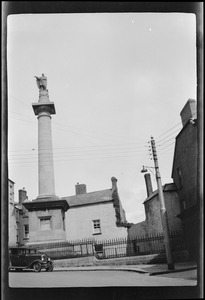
[96,227]
[26,231]
[45,223]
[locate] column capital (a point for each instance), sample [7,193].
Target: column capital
[44,107]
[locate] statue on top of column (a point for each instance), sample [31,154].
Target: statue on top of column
[41,82]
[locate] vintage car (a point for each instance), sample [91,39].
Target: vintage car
[29,258]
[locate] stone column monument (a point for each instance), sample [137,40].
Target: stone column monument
[47,211]
[44,109]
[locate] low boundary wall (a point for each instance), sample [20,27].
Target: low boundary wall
[179,256]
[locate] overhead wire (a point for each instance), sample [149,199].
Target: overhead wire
[167,146]
[135,149]
[168,136]
[180,123]
[169,129]
[58,124]
[79,158]
[79,151]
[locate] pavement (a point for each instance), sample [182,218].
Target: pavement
[148,269]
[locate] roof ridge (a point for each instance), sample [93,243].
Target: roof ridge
[89,198]
[86,193]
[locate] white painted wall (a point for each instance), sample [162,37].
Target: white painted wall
[78,222]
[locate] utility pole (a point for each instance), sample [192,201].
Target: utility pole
[163,211]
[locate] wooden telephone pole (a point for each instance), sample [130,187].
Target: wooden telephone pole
[163,211]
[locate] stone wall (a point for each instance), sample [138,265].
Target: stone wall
[153,224]
[139,229]
[55,233]
[185,162]
[180,256]
[184,174]
[153,215]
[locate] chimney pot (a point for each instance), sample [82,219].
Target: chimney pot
[22,195]
[80,189]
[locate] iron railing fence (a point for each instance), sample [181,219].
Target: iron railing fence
[113,248]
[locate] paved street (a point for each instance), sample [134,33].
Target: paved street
[95,279]
[191,275]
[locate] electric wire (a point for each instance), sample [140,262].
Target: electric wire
[136,149]
[84,146]
[77,159]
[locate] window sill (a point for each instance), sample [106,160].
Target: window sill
[97,233]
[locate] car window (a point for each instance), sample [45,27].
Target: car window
[14,251]
[33,251]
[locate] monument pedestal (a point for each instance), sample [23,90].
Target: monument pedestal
[46,220]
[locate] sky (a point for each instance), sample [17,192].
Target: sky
[116,80]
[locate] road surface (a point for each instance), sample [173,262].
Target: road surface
[29,279]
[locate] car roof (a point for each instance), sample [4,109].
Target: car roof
[23,247]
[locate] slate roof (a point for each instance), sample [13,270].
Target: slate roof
[18,205]
[89,198]
[166,188]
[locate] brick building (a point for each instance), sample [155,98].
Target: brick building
[184,173]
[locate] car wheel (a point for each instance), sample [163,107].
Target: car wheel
[37,267]
[50,268]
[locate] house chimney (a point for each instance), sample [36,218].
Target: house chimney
[148,184]
[80,189]
[188,111]
[114,183]
[22,195]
